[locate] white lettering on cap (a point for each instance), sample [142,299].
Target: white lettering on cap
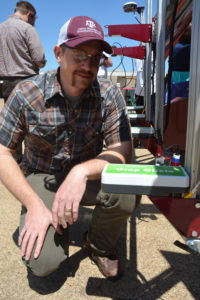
[90,24]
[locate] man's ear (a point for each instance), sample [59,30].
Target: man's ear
[58,53]
[30,18]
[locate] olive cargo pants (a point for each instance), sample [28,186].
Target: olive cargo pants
[109,214]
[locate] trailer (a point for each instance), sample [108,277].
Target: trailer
[170,131]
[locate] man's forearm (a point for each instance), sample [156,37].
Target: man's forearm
[34,230]
[71,191]
[93,168]
[14,180]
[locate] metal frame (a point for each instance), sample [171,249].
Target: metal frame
[148,67]
[160,65]
[192,155]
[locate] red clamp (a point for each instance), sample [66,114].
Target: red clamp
[135,52]
[138,32]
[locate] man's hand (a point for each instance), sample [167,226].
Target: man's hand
[69,195]
[66,203]
[37,221]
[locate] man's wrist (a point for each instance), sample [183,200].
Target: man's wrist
[80,170]
[34,204]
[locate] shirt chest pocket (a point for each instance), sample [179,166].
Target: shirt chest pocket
[47,137]
[44,130]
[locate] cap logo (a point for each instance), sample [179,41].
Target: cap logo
[90,24]
[79,30]
[90,27]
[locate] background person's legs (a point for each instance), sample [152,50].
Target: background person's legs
[7,86]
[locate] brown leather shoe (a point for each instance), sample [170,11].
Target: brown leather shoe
[108,265]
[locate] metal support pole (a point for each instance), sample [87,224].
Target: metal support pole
[148,68]
[142,15]
[141,12]
[192,155]
[160,65]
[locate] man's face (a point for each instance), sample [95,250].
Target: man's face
[78,66]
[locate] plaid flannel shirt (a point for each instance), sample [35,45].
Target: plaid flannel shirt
[58,135]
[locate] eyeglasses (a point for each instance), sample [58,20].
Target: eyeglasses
[80,56]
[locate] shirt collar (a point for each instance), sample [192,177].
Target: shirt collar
[16,17]
[54,87]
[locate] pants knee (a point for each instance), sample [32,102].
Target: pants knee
[42,272]
[124,203]
[42,267]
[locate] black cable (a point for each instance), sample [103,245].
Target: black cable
[132,74]
[136,18]
[121,63]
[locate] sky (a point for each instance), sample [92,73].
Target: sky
[53,14]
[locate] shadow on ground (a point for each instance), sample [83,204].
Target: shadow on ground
[133,285]
[183,268]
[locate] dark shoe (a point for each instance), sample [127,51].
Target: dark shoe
[108,264]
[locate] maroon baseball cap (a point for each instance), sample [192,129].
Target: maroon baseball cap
[79,30]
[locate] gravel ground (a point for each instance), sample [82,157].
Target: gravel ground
[154,267]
